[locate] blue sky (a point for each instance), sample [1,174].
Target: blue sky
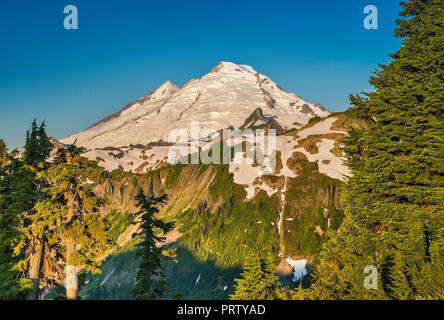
[124,49]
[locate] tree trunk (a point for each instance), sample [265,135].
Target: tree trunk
[34,268]
[70,272]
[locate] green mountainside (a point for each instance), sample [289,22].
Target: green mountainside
[215,224]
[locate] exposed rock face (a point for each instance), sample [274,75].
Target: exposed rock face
[257,120]
[57,144]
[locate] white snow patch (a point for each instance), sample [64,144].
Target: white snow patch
[322,127]
[336,168]
[299,269]
[198,279]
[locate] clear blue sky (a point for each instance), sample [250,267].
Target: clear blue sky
[124,49]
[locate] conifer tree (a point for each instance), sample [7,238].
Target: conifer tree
[258,280]
[16,196]
[150,279]
[37,147]
[42,237]
[4,158]
[81,230]
[45,144]
[394,202]
[25,190]
[35,155]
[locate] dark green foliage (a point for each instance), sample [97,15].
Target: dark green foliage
[336,218]
[314,119]
[21,186]
[37,146]
[118,223]
[118,174]
[174,175]
[80,219]
[44,206]
[214,283]
[394,203]
[16,197]
[219,236]
[309,194]
[215,227]
[150,278]
[37,232]
[117,277]
[258,280]
[4,157]
[119,272]
[303,239]
[69,219]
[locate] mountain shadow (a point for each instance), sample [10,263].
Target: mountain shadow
[190,278]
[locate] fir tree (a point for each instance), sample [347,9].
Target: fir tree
[20,195]
[258,280]
[37,147]
[35,155]
[150,279]
[394,202]
[45,144]
[74,210]
[30,243]
[4,157]
[16,196]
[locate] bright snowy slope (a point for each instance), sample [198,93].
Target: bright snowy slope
[224,97]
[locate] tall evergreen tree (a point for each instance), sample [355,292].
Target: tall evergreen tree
[16,197]
[45,144]
[35,155]
[4,158]
[42,236]
[81,230]
[21,194]
[150,279]
[258,280]
[394,202]
[37,147]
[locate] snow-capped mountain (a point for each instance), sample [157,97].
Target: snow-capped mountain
[224,97]
[307,161]
[230,96]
